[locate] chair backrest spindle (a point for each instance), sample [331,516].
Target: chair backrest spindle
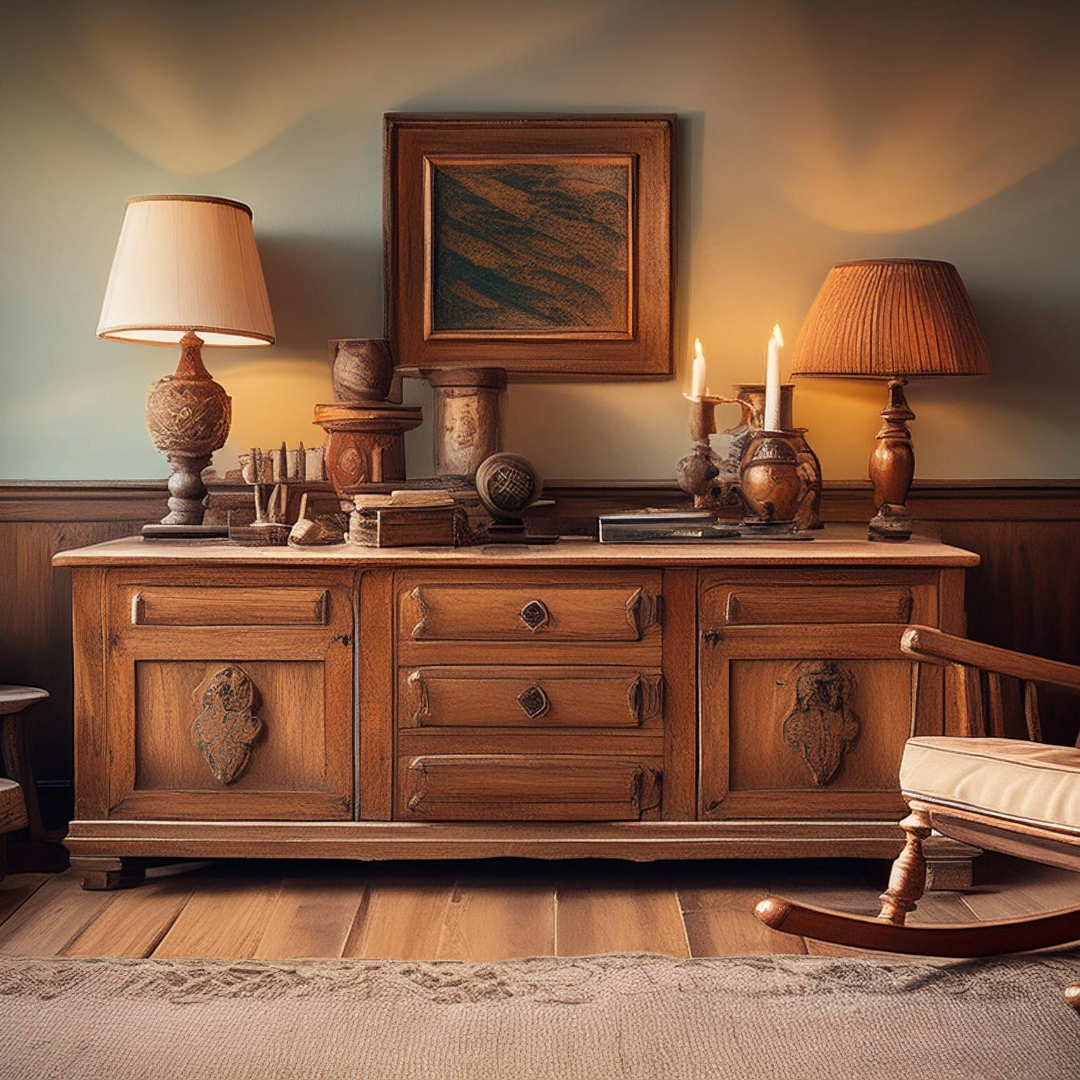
[1031,712]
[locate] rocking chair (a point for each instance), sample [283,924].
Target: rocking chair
[1008,795]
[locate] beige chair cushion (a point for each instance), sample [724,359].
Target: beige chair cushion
[1019,781]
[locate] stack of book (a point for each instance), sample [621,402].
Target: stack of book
[664,527]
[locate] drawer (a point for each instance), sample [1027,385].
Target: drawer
[590,610]
[792,604]
[155,605]
[530,697]
[527,787]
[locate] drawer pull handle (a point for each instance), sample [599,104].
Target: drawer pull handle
[534,702]
[535,614]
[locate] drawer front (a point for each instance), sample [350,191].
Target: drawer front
[788,604]
[530,697]
[511,611]
[229,606]
[533,787]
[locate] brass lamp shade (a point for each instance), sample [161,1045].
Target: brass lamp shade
[891,319]
[186,272]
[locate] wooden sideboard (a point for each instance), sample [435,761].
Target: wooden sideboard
[558,701]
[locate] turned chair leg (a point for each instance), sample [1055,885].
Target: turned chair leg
[907,880]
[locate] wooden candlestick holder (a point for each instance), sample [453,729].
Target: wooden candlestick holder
[717,482]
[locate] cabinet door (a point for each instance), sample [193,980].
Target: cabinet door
[808,721]
[231,700]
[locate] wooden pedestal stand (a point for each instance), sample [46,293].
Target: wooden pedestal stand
[365,441]
[467,423]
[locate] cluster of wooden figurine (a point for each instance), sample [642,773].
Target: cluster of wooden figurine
[355,489]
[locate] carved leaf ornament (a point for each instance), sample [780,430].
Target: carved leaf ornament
[227,725]
[822,727]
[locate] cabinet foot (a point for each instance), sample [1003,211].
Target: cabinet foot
[99,872]
[945,874]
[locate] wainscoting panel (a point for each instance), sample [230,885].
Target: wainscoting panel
[1023,596]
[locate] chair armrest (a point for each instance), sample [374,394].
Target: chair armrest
[927,645]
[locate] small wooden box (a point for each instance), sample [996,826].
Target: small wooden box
[409,526]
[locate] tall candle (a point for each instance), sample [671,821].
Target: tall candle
[697,381]
[772,380]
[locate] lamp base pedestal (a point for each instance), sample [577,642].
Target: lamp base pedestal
[188,417]
[185,532]
[892,468]
[891,522]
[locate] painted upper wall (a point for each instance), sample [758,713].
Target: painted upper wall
[812,132]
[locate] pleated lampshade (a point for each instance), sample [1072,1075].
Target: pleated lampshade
[187,263]
[891,318]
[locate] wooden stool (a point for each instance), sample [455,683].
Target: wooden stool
[12,816]
[15,747]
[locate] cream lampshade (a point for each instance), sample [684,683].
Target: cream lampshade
[186,272]
[891,319]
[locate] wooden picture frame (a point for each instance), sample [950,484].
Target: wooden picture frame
[544,245]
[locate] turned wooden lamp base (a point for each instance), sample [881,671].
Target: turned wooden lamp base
[188,417]
[892,467]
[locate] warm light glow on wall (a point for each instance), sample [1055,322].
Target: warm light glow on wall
[875,148]
[197,88]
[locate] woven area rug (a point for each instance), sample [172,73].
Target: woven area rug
[789,1018]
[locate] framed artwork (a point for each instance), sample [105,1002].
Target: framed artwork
[541,244]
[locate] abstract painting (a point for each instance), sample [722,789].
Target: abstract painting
[541,245]
[522,244]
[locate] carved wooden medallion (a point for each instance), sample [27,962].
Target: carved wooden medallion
[227,725]
[822,727]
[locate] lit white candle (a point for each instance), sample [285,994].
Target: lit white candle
[772,380]
[698,380]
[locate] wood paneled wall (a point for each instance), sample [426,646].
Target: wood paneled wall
[1023,596]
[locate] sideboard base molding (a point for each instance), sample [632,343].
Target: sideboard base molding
[97,846]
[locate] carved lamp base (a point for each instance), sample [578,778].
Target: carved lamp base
[892,467]
[188,417]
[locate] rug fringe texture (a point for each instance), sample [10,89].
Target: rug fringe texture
[747,1018]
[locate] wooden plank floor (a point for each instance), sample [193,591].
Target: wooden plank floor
[475,911]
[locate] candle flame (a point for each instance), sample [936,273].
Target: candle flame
[777,336]
[698,354]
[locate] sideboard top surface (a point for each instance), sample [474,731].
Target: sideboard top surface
[837,545]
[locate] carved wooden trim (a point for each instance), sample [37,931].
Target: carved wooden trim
[645,697]
[421,700]
[423,611]
[138,609]
[731,608]
[822,728]
[644,609]
[322,607]
[420,787]
[536,615]
[534,701]
[228,723]
[647,788]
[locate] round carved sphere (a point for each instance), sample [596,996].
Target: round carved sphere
[507,484]
[362,369]
[187,415]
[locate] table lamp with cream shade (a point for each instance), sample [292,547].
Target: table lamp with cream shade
[186,272]
[893,319]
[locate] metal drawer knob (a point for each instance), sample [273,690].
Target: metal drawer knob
[534,702]
[535,614]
